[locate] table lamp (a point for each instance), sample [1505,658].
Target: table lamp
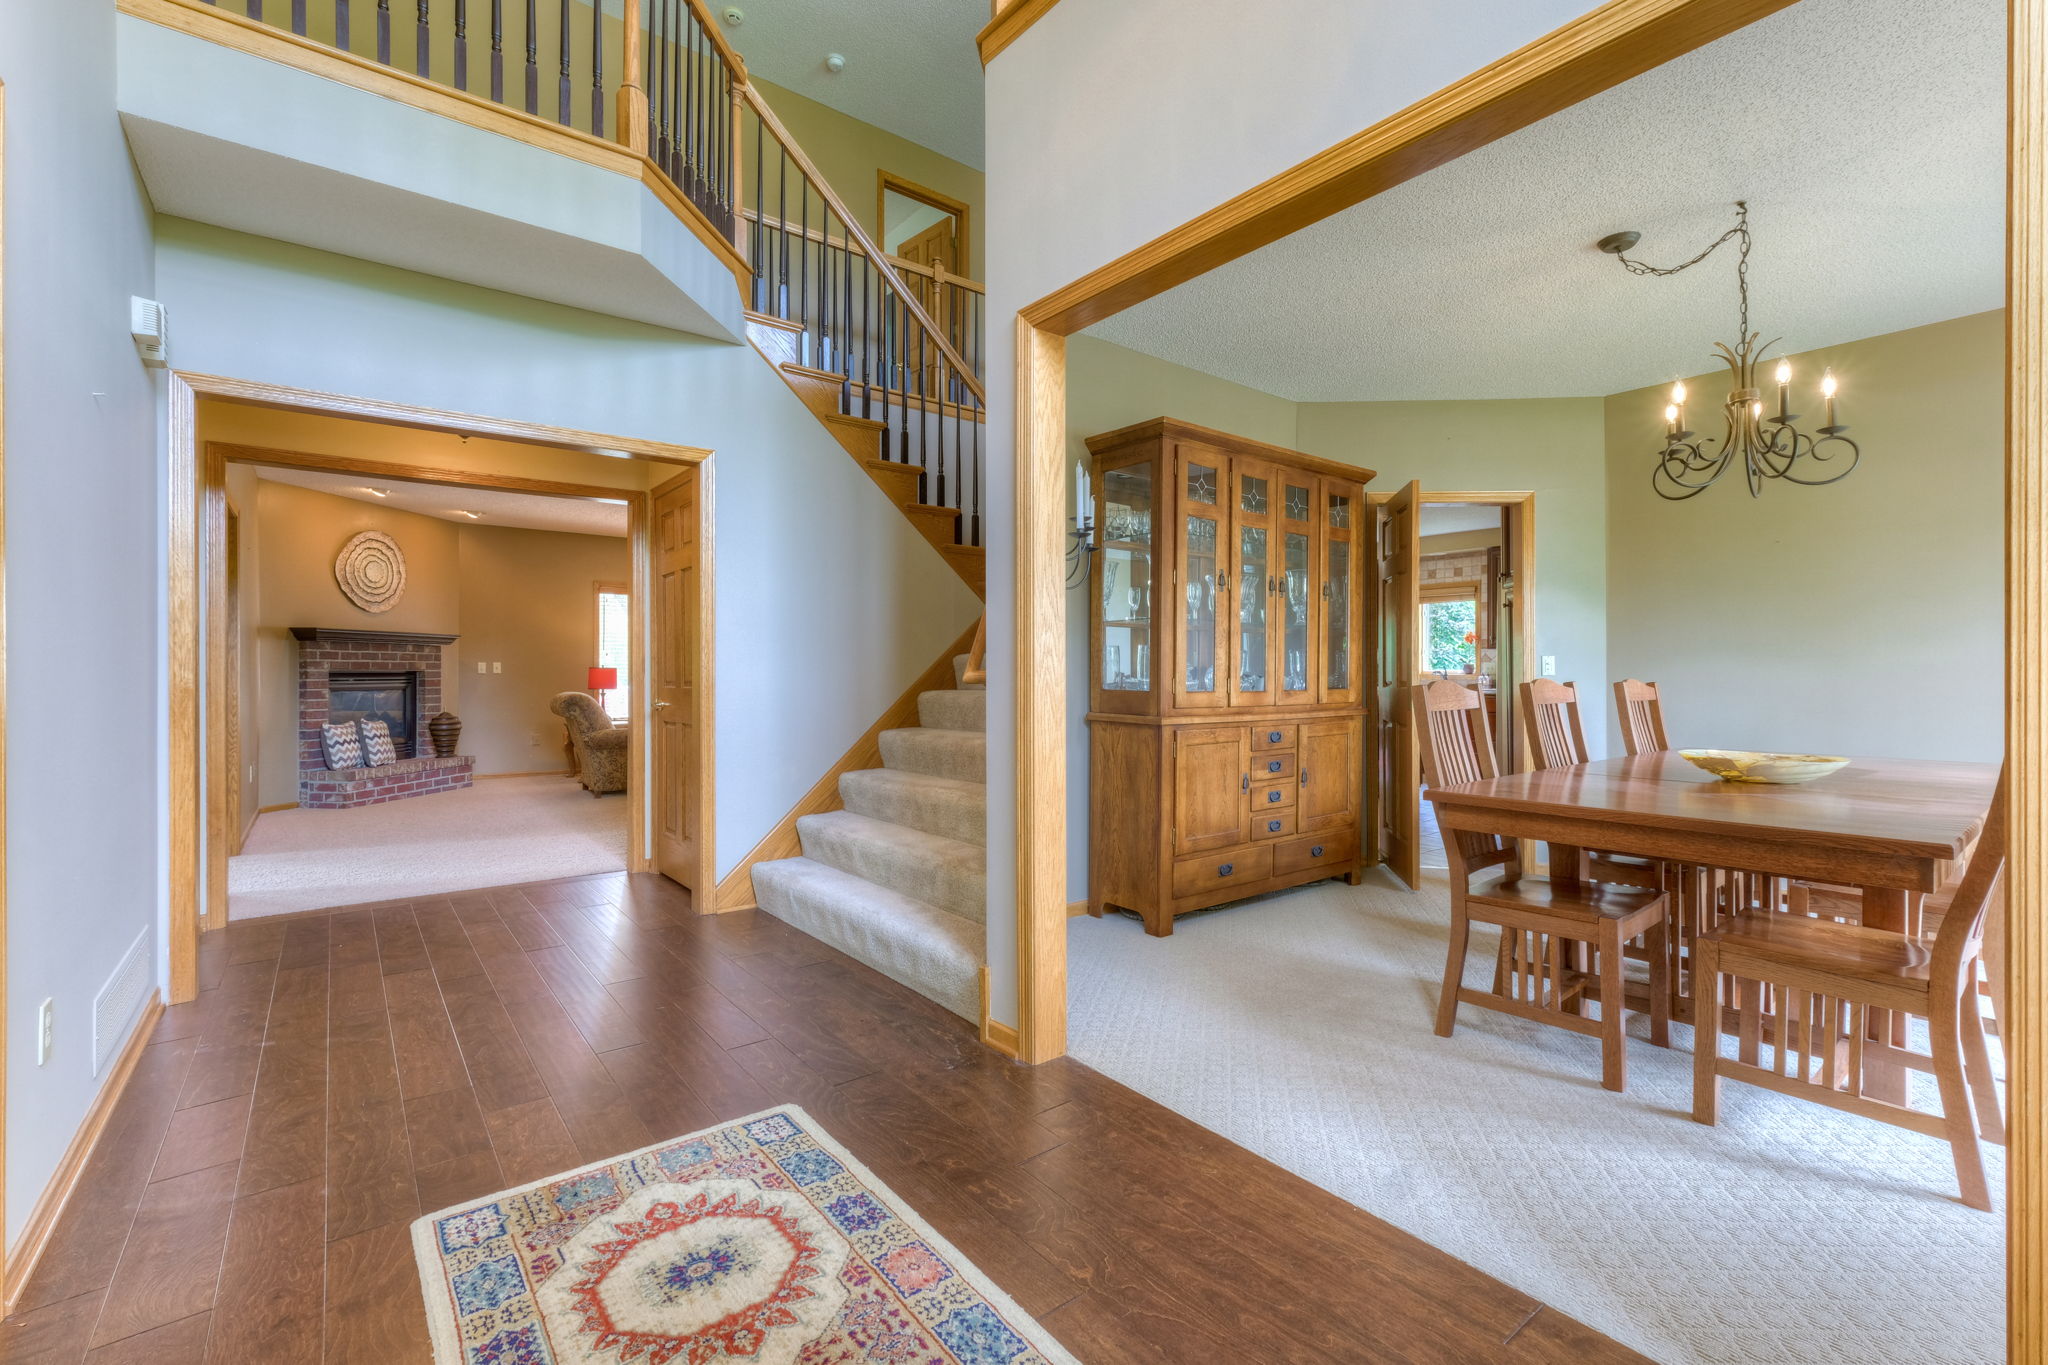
[602,680]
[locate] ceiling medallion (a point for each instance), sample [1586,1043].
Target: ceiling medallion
[371,571]
[1770,447]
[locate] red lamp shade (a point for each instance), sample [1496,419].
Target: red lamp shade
[603,679]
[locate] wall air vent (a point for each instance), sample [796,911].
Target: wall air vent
[113,1010]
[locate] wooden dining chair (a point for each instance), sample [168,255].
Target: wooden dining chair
[1642,717]
[1562,939]
[1557,739]
[1827,978]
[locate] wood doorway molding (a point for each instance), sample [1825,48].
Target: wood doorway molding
[887,184]
[1610,45]
[198,648]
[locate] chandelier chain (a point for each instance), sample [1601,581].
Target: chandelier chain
[1741,229]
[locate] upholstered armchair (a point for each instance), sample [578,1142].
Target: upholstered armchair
[599,745]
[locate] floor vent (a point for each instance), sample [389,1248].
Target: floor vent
[113,1012]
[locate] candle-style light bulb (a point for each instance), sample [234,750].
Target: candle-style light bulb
[1671,418]
[1784,372]
[1678,393]
[1784,390]
[1827,393]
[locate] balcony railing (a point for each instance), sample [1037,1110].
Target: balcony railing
[904,339]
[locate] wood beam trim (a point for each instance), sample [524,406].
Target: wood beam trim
[1614,43]
[1009,24]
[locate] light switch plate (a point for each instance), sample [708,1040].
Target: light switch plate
[1550,665]
[498,667]
[482,667]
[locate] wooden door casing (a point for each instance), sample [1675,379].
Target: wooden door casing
[1397,660]
[672,672]
[1211,775]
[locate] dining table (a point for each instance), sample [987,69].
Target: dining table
[1890,827]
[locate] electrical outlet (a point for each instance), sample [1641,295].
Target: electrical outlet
[1550,665]
[482,667]
[498,667]
[46,1031]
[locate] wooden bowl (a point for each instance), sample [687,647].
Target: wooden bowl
[1745,765]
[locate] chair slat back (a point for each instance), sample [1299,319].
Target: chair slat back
[1550,710]
[1452,733]
[1961,936]
[1642,716]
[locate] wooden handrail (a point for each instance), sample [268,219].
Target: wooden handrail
[936,334]
[976,672]
[733,61]
[933,272]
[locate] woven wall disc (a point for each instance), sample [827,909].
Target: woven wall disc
[371,571]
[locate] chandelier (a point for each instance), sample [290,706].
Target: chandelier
[1770,447]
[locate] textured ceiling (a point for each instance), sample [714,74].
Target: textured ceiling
[911,65]
[1867,136]
[581,516]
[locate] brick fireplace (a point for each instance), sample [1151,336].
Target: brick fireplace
[376,668]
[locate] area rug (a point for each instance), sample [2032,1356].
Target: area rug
[761,1240]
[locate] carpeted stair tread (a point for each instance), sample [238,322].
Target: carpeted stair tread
[936,805]
[958,754]
[958,709]
[936,954]
[942,872]
[960,673]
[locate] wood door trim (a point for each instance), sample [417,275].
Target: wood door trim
[1011,19]
[197,482]
[885,181]
[1595,52]
[736,888]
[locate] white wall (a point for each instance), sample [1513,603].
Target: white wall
[1113,121]
[828,603]
[84,555]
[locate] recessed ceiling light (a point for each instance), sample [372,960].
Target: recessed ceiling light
[378,492]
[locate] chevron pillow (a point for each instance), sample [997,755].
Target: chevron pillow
[377,747]
[340,744]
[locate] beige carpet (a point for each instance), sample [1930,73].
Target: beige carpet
[1300,1026]
[496,833]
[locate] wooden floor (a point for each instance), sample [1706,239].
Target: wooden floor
[342,1073]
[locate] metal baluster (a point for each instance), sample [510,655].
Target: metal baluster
[674,165]
[688,182]
[596,67]
[422,41]
[846,321]
[803,262]
[825,219]
[974,535]
[532,56]
[299,17]
[384,31]
[924,427]
[867,336]
[254,9]
[782,229]
[341,24]
[498,51]
[462,44]
[562,83]
[759,236]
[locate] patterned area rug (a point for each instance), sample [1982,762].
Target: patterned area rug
[760,1241]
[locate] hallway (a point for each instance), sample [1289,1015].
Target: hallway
[342,1074]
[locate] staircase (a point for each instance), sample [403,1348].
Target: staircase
[898,878]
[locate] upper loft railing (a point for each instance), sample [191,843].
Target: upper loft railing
[904,339]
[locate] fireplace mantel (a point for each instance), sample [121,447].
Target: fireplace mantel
[334,636]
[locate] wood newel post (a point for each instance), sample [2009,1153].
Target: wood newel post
[632,88]
[739,122]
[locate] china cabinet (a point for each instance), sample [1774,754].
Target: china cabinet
[1226,711]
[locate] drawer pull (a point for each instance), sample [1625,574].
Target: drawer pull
[1273,826]
[1316,852]
[1273,766]
[1272,796]
[1226,869]
[1272,736]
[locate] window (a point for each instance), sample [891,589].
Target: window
[614,635]
[1450,629]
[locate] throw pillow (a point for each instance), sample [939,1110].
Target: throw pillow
[341,746]
[377,748]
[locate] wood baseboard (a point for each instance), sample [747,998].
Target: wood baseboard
[23,1257]
[995,1033]
[736,888]
[286,805]
[1076,908]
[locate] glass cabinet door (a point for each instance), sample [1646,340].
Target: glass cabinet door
[1253,491]
[1297,605]
[1342,508]
[1202,562]
[1124,578]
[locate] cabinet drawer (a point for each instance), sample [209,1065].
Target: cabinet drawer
[1194,876]
[1270,795]
[1276,823]
[1336,848]
[1272,767]
[1272,737]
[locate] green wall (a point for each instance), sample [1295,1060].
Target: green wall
[1862,618]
